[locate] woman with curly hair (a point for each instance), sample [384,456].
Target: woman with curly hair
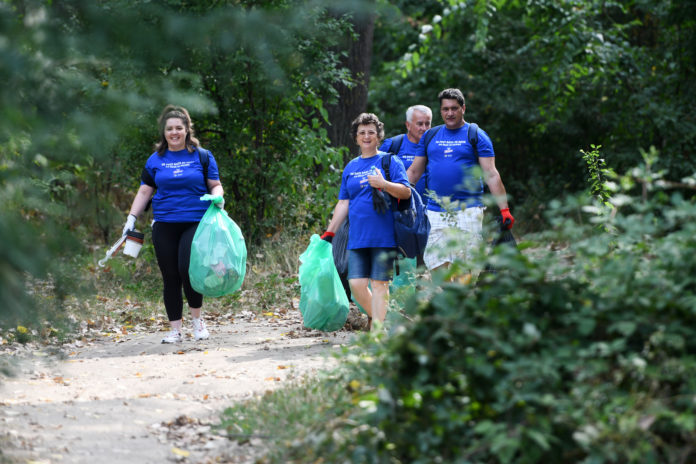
[364,198]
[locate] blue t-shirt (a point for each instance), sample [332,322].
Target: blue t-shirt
[451,166]
[368,229]
[407,153]
[180,185]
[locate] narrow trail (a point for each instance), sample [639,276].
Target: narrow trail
[135,400]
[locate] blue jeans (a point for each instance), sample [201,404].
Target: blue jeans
[371,263]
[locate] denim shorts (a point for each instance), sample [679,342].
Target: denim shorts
[371,263]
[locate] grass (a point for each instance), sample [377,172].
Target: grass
[288,416]
[128,292]
[313,419]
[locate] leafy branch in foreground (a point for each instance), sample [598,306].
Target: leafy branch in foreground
[579,352]
[597,173]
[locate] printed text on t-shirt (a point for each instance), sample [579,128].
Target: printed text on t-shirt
[363,175]
[449,144]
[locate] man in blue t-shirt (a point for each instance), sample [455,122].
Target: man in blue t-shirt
[418,120]
[456,172]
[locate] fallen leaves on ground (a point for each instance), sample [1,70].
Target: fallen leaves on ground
[180,452]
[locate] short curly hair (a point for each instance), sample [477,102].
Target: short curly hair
[367,118]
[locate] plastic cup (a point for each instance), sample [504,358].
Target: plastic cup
[134,242]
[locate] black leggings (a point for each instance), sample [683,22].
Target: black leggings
[172,241]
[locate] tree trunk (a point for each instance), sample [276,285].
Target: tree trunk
[353,101]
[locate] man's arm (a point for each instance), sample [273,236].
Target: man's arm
[416,170]
[494,182]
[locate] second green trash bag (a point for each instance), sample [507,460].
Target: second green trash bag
[218,253]
[323,301]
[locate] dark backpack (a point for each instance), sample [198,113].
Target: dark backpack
[204,160]
[411,224]
[396,143]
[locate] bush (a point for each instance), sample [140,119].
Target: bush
[580,350]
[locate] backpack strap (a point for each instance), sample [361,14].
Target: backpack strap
[397,203]
[472,134]
[429,134]
[205,162]
[396,143]
[386,162]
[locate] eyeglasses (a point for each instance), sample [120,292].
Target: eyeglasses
[370,132]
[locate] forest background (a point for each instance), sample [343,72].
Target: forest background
[273,85]
[582,351]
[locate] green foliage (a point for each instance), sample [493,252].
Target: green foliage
[267,134]
[597,173]
[274,289]
[279,417]
[582,351]
[544,77]
[84,82]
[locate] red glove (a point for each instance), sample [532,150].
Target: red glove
[328,236]
[508,220]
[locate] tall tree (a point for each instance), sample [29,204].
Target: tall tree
[352,95]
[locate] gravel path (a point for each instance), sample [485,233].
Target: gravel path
[131,399]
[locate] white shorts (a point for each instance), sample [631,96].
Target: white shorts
[453,236]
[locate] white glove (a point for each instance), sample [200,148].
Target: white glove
[130,224]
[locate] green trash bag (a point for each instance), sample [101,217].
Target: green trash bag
[218,253]
[403,287]
[406,277]
[323,301]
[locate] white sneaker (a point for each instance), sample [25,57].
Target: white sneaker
[174,336]
[199,330]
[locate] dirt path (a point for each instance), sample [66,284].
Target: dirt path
[134,400]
